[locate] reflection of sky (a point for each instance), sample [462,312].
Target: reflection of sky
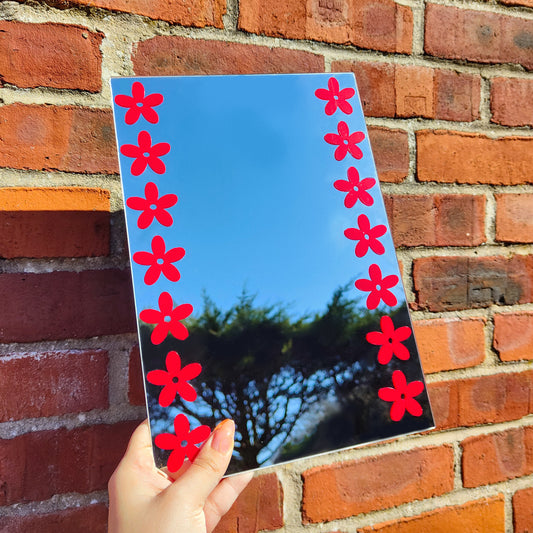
[257,209]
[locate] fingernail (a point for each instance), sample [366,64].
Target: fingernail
[223,436]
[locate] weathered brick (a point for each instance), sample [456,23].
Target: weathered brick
[479,36]
[345,489]
[54,222]
[66,138]
[97,449]
[135,378]
[48,384]
[511,345]
[436,220]
[375,82]
[198,13]
[50,55]
[158,57]
[497,457]
[91,519]
[258,508]
[514,222]
[61,305]
[406,91]
[450,343]
[452,283]
[391,153]
[378,25]
[473,158]
[523,510]
[510,101]
[479,516]
[483,400]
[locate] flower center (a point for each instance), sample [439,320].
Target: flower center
[146,154]
[153,207]
[175,379]
[366,237]
[402,396]
[378,287]
[346,142]
[184,443]
[139,104]
[167,319]
[160,261]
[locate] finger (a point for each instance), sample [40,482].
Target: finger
[208,467]
[219,502]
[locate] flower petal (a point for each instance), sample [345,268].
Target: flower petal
[158,377]
[151,316]
[385,354]
[397,410]
[413,407]
[160,333]
[398,381]
[175,460]
[173,362]
[167,395]
[191,371]
[186,391]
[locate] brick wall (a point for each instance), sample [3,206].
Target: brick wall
[447,86]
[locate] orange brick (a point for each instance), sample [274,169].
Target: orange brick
[481,36]
[497,457]
[473,158]
[157,57]
[375,24]
[415,95]
[391,152]
[50,55]
[483,400]
[458,95]
[197,13]
[65,138]
[513,336]
[526,3]
[480,516]
[523,511]
[345,489]
[437,220]
[450,343]
[514,222]
[258,508]
[54,222]
[510,101]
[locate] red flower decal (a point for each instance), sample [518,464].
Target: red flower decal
[182,443]
[175,379]
[402,394]
[336,99]
[146,154]
[160,261]
[346,142]
[152,206]
[378,286]
[390,340]
[356,188]
[367,236]
[139,104]
[167,319]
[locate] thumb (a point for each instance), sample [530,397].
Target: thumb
[208,467]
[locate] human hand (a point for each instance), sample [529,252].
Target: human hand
[142,499]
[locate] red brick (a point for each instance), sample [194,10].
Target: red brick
[473,158]
[51,384]
[375,24]
[437,220]
[527,3]
[452,283]
[77,460]
[54,222]
[482,400]
[523,511]
[135,378]
[62,305]
[65,138]
[391,153]
[258,508]
[479,36]
[91,519]
[513,217]
[50,55]
[158,57]
[450,343]
[345,489]
[375,82]
[510,101]
[511,345]
[480,516]
[198,13]
[406,91]
[497,457]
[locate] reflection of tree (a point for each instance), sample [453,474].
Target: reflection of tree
[267,372]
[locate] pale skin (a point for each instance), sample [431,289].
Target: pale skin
[143,499]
